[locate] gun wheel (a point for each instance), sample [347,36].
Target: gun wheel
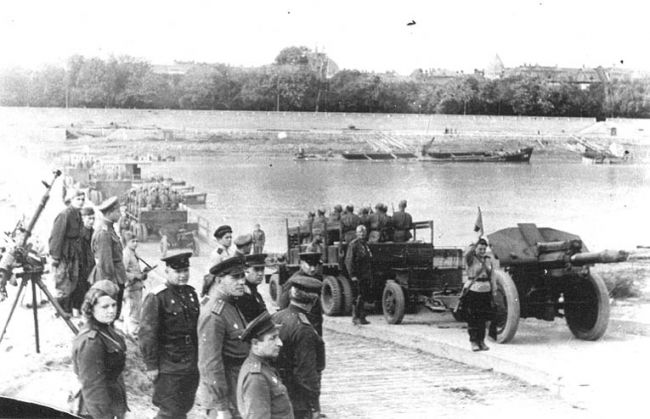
[507,303]
[393,303]
[586,307]
[332,296]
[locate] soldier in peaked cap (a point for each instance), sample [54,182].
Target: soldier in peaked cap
[251,304]
[302,357]
[260,392]
[224,249]
[168,339]
[107,248]
[243,244]
[221,351]
[310,264]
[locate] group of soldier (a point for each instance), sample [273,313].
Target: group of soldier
[152,196]
[224,350]
[380,226]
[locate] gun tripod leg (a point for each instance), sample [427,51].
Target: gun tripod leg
[56,305]
[13,307]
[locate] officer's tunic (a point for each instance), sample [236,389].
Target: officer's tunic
[107,249]
[260,392]
[99,357]
[168,342]
[315,315]
[221,253]
[86,265]
[358,262]
[301,359]
[64,247]
[221,352]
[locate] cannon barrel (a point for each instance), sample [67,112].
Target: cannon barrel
[606,256]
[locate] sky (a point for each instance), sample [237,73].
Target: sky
[357,34]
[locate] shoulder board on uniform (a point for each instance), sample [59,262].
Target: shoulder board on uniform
[303,318]
[92,333]
[219,250]
[255,367]
[217,308]
[159,288]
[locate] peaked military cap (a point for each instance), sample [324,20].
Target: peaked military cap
[109,204]
[259,326]
[307,284]
[231,266]
[257,260]
[178,261]
[313,258]
[87,211]
[222,231]
[243,240]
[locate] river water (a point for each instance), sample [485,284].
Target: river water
[606,205]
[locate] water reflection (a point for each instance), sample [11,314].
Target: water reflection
[606,205]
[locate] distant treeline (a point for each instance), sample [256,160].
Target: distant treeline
[302,80]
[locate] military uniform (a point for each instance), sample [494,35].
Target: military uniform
[402,224]
[221,352]
[349,223]
[301,360]
[86,265]
[168,342]
[478,299]
[107,248]
[221,253]
[358,262]
[259,238]
[315,315]
[99,357]
[65,249]
[251,304]
[260,392]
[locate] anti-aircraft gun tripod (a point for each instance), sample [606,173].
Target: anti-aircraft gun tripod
[32,264]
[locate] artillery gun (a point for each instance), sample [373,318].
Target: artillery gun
[545,273]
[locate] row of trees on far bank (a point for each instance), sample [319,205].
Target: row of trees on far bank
[303,80]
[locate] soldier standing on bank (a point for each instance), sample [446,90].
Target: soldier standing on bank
[259,239]
[221,351]
[260,392]
[86,257]
[310,265]
[65,248]
[358,263]
[402,223]
[107,248]
[168,339]
[302,357]
[251,304]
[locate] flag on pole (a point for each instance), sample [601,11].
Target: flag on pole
[478,225]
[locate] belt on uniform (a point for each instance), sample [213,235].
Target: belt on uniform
[187,339]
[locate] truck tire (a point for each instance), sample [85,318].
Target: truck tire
[586,307]
[331,296]
[348,297]
[274,287]
[507,302]
[393,303]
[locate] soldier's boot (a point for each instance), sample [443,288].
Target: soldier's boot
[362,315]
[483,346]
[476,347]
[355,315]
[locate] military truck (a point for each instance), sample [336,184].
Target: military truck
[405,276]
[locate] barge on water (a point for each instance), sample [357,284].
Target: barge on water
[521,155]
[378,156]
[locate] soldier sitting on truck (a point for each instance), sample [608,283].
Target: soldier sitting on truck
[402,223]
[349,223]
[379,224]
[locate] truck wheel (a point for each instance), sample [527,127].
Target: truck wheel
[393,303]
[507,302]
[348,297]
[586,307]
[274,287]
[331,296]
